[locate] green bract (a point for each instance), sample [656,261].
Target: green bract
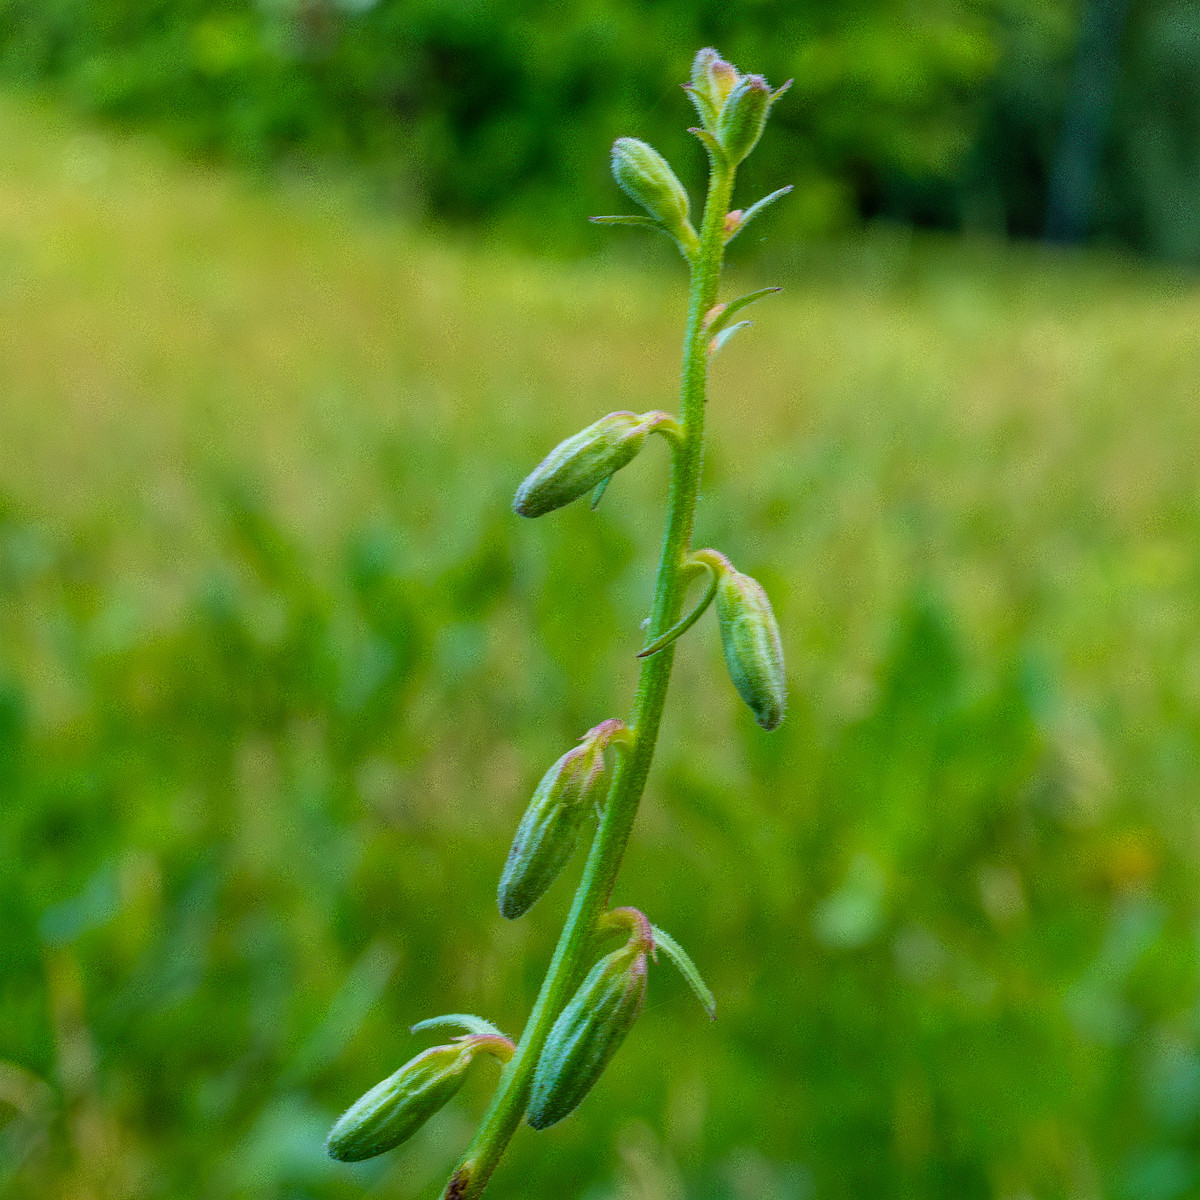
[586,1035]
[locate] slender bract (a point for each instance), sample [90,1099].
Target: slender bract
[585,1007]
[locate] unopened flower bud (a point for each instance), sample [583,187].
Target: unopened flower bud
[753,653]
[741,122]
[713,78]
[647,179]
[549,831]
[578,464]
[587,1034]
[392,1111]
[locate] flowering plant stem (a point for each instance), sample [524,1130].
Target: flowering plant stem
[571,956]
[575,1028]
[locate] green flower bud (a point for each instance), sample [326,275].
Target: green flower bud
[587,1034]
[549,831]
[392,1111]
[713,79]
[647,179]
[741,122]
[753,653]
[578,464]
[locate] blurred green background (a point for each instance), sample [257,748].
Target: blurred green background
[279,669]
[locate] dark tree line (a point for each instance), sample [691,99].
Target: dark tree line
[1011,116]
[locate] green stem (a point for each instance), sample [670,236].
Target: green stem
[571,956]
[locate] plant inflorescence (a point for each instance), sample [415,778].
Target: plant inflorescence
[588,1002]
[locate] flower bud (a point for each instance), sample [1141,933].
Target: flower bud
[647,179]
[587,1034]
[549,831]
[741,122]
[578,464]
[392,1111]
[753,654]
[713,78]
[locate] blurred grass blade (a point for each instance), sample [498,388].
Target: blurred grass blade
[364,984]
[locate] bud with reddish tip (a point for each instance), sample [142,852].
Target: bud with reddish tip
[741,122]
[549,831]
[753,653]
[711,82]
[587,1034]
[392,1111]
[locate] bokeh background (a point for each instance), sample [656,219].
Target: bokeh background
[293,293]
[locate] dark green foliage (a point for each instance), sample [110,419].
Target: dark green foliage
[487,110]
[492,111]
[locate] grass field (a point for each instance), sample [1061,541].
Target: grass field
[278,669]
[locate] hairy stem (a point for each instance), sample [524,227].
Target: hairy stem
[572,954]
